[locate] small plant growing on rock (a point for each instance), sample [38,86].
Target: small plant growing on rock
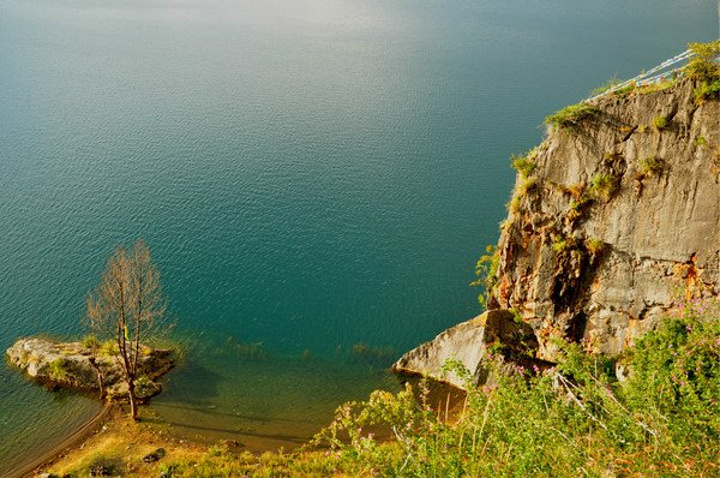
[58,369]
[660,122]
[561,244]
[602,187]
[651,165]
[523,165]
[701,142]
[486,270]
[571,116]
[706,92]
[595,246]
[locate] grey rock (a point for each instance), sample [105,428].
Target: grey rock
[660,229]
[468,343]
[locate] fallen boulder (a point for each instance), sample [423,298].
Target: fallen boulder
[494,332]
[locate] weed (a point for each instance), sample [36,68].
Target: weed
[707,91]
[702,67]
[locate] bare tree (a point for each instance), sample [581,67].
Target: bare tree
[128,306]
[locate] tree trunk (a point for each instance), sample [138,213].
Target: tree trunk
[100,376]
[133,400]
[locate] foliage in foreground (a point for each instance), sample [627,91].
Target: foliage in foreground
[573,420]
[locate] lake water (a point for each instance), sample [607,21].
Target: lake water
[315,178]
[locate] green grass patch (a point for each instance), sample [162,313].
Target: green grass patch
[570,117]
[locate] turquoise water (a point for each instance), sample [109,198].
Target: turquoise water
[309,174]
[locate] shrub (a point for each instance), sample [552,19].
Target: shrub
[707,91]
[702,67]
[523,165]
[663,421]
[486,270]
[660,122]
[90,342]
[602,187]
[570,117]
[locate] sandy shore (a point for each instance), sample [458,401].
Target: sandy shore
[77,437]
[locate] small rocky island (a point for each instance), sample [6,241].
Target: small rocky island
[84,366]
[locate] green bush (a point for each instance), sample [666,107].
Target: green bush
[595,246]
[664,420]
[523,165]
[707,91]
[703,67]
[570,117]
[700,141]
[486,270]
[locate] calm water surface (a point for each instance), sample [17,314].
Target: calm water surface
[310,174]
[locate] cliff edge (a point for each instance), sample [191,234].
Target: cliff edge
[614,219]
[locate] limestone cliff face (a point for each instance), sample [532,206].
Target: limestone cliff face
[619,218]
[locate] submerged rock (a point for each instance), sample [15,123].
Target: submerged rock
[494,332]
[72,365]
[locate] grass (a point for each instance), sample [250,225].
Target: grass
[662,421]
[570,117]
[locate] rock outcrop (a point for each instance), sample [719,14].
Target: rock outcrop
[614,220]
[494,332]
[72,365]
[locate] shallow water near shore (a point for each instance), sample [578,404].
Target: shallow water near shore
[315,178]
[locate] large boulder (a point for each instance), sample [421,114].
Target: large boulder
[494,332]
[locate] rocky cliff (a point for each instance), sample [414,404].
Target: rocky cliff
[614,219]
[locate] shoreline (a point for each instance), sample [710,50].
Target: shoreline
[74,439]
